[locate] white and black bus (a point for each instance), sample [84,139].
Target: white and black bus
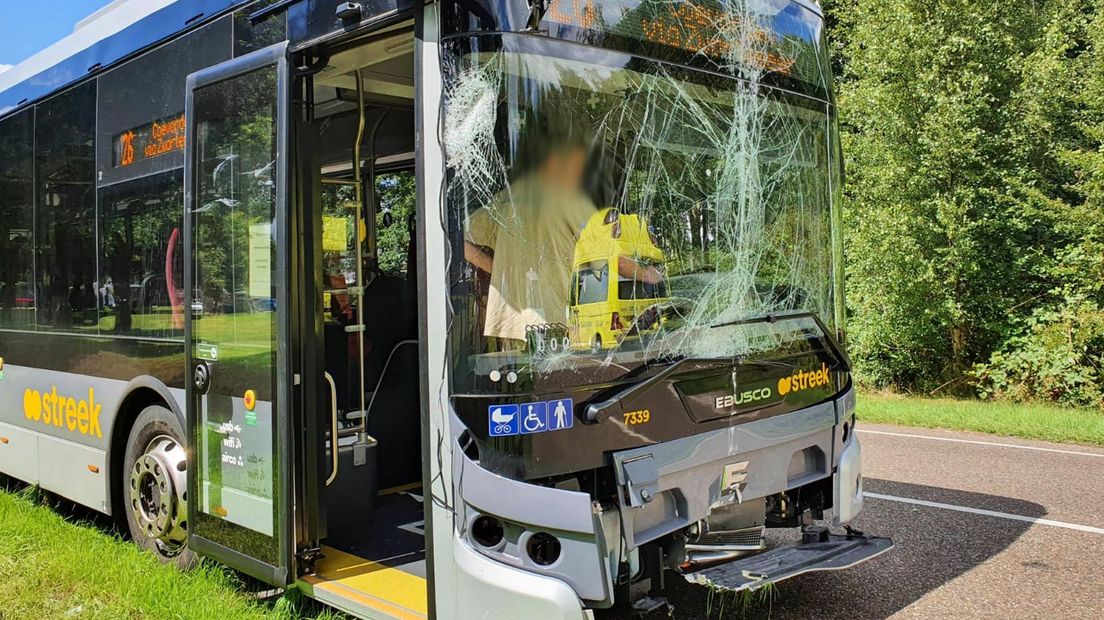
[454,309]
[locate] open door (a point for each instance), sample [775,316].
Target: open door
[239,392]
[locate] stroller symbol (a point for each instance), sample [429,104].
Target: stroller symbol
[503,420]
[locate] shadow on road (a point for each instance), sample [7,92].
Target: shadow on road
[933,546]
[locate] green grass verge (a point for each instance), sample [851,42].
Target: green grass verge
[1030,421]
[55,568]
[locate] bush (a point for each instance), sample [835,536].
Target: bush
[1059,357]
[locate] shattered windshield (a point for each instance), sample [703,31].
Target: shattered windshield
[608,210]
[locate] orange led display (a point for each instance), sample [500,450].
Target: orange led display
[687,26]
[149,141]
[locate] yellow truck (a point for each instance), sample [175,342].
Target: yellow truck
[615,248]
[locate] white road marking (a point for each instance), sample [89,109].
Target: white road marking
[416,527]
[989,513]
[980,443]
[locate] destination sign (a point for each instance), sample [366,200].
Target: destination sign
[148,141]
[755,35]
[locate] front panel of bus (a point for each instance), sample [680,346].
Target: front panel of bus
[702,134]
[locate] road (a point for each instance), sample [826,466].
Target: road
[984,526]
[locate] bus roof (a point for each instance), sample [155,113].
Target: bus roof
[113,33]
[87,32]
[103,38]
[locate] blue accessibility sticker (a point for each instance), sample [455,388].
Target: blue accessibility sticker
[534,418]
[503,420]
[560,414]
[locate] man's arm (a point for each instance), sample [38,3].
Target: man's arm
[628,268]
[480,236]
[475,255]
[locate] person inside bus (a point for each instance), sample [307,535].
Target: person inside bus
[525,239]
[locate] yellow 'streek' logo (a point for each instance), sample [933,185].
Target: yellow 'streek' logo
[79,416]
[803,380]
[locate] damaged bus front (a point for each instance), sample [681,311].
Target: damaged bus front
[700,138]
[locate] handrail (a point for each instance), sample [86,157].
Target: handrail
[383,373]
[333,427]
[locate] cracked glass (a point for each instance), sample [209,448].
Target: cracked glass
[611,210]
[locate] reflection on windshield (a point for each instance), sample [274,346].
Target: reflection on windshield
[613,209]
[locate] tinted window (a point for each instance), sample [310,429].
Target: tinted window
[65,169]
[141,244]
[636,289]
[594,283]
[17,220]
[141,104]
[249,37]
[311,19]
[234,258]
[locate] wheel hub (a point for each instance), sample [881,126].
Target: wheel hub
[157,494]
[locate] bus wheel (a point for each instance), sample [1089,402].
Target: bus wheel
[596,344]
[155,486]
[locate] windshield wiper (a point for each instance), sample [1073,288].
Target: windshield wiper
[595,410]
[768,318]
[837,351]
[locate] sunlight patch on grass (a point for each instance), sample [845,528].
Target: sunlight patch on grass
[54,568]
[1030,421]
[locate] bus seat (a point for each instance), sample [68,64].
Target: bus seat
[394,417]
[390,316]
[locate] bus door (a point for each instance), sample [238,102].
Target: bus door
[239,392]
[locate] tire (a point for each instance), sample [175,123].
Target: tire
[154,486]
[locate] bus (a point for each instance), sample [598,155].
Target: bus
[287,284]
[602,314]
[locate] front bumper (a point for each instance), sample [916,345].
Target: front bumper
[833,552]
[668,487]
[847,492]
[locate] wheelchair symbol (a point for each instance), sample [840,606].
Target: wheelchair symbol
[535,418]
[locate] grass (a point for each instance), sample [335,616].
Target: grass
[59,568]
[239,335]
[1030,421]
[742,602]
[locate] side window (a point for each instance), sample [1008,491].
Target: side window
[636,289]
[396,191]
[17,296]
[249,37]
[141,104]
[594,283]
[65,169]
[141,253]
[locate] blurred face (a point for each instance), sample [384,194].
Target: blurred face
[565,167]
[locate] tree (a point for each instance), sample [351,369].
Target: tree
[936,231]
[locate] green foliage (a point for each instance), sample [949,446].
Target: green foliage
[974,199]
[1058,357]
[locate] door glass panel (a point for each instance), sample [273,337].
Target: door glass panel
[234,319]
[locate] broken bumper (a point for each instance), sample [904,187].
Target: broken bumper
[837,553]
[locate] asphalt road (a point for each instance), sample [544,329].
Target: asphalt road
[1035,549]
